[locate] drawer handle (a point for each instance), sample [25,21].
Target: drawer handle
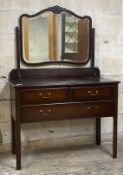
[45,97]
[93,94]
[45,113]
[92,107]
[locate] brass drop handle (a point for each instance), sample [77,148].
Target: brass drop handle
[92,107]
[45,97]
[45,113]
[93,94]
[41,111]
[49,110]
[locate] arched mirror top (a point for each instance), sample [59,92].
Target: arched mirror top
[55,35]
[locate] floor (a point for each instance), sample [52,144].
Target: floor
[77,160]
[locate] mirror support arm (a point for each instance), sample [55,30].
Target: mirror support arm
[18,52]
[93,52]
[92,47]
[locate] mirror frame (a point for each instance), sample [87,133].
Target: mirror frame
[57,10]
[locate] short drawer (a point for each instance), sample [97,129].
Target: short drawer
[93,93]
[37,96]
[65,111]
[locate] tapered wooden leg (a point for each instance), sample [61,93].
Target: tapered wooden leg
[98,131]
[18,145]
[114,137]
[13,135]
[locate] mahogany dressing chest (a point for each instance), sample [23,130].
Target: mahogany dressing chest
[57,93]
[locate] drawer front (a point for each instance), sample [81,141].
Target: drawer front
[65,111]
[93,93]
[37,96]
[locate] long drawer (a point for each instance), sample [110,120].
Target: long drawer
[65,111]
[93,93]
[45,95]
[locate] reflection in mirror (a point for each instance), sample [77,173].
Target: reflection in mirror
[75,41]
[70,25]
[35,38]
[55,37]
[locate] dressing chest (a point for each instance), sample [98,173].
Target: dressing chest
[70,92]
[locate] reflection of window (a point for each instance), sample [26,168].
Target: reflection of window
[75,38]
[71,34]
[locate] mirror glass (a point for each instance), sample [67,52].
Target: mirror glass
[50,37]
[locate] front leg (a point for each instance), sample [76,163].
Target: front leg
[13,134]
[98,131]
[18,144]
[115,137]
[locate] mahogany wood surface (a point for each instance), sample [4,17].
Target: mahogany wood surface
[60,111]
[50,95]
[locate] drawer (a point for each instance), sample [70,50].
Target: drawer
[37,96]
[65,111]
[93,93]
